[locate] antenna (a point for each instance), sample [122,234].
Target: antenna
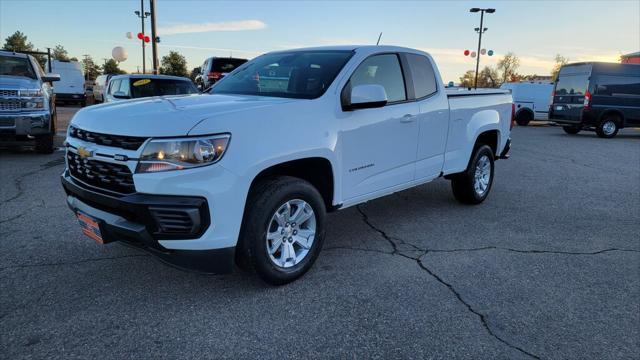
[379,37]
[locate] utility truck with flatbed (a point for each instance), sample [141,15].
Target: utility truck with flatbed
[245,174]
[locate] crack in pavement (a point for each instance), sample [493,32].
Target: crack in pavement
[18,181]
[23,213]
[73,262]
[483,318]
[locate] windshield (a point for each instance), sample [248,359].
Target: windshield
[300,74]
[161,87]
[226,65]
[16,66]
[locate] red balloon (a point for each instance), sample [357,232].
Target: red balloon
[146,38]
[140,36]
[466,53]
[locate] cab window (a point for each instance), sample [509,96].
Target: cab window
[382,70]
[424,79]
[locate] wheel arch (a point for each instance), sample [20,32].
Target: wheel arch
[318,171]
[615,112]
[526,110]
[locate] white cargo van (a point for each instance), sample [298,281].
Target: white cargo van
[532,100]
[70,88]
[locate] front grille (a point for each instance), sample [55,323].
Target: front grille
[8,93]
[103,175]
[120,141]
[176,220]
[10,105]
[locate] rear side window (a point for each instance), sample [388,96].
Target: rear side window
[382,70]
[617,85]
[424,79]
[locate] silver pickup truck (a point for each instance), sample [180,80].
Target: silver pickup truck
[27,101]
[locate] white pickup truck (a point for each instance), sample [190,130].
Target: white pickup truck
[246,173]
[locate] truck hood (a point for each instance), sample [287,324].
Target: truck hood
[165,116]
[18,82]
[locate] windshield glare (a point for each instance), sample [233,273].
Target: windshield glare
[160,87]
[299,74]
[16,66]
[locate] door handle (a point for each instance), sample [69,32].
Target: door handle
[407,118]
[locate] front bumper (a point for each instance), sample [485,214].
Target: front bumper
[133,219]
[28,123]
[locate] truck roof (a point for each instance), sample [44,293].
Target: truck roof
[364,48]
[13,54]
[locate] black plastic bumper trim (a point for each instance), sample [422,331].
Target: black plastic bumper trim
[135,207]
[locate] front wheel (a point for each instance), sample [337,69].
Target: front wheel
[473,185]
[571,130]
[283,229]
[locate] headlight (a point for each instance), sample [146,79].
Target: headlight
[184,153]
[31,93]
[34,104]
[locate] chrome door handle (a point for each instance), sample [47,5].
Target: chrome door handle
[407,118]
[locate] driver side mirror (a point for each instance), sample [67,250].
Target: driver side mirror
[366,97]
[51,77]
[121,95]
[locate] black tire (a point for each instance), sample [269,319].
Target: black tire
[463,184]
[523,118]
[83,103]
[264,201]
[608,127]
[571,130]
[44,144]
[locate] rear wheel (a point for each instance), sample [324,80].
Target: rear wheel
[473,185]
[571,129]
[523,118]
[283,229]
[608,128]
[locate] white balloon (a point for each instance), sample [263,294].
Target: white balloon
[473,54]
[483,51]
[119,53]
[129,35]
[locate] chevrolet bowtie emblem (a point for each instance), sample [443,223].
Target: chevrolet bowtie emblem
[84,153]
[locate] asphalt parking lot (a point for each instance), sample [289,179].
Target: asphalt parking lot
[547,267]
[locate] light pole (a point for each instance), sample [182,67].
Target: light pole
[142,15]
[154,39]
[480,30]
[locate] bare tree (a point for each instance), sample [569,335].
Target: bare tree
[560,62]
[508,66]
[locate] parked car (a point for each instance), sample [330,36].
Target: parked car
[532,100]
[135,86]
[27,101]
[604,97]
[214,69]
[102,81]
[249,170]
[70,88]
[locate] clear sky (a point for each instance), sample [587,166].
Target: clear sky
[535,30]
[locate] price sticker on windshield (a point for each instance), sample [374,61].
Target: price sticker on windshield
[141,82]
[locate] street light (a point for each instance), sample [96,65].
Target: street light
[480,30]
[142,15]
